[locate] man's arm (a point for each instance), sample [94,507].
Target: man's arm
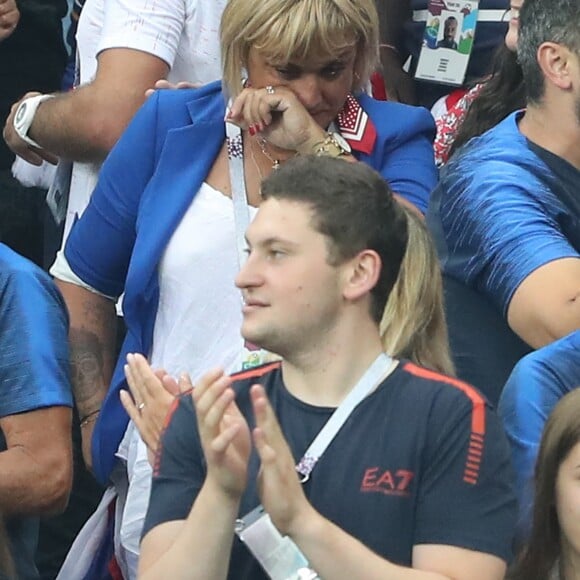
[494,214]
[92,336]
[199,547]
[84,124]
[546,305]
[398,84]
[168,549]
[35,398]
[335,554]
[36,468]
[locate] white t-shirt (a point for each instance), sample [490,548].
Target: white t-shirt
[184,33]
[196,281]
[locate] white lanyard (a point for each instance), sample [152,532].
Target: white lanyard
[251,356]
[363,387]
[238,185]
[377,371]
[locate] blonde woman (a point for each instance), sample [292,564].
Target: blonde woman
[166,221]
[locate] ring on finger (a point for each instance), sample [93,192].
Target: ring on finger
[140,406]
[269,89]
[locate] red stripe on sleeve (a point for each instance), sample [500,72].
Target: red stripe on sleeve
[166,422]
[476,439]
[477,400]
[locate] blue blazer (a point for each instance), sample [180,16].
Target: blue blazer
[150,179]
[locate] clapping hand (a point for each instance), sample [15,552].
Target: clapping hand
[279,485]
[152,394]
[224,433]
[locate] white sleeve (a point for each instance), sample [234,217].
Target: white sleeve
[61,270]
[153,26]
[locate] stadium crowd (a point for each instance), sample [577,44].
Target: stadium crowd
[289,289]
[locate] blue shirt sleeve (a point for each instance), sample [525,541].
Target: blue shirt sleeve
[533,389]
[34,357]
[500,225]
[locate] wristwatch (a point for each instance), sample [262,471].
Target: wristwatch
[334,145]
[25,115]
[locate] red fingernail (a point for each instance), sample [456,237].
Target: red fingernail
[252,130]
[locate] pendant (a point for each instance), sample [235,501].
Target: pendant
[276,165]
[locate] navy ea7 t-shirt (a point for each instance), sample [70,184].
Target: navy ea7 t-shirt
[422,460]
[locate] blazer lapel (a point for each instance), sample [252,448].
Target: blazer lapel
[185,161]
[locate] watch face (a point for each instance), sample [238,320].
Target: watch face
[342,142]
[21,112]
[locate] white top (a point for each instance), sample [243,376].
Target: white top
[199,317]
[196,277]
[184,33]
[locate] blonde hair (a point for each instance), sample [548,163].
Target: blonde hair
[295,31]
[413,324]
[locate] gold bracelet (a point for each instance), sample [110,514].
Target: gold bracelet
[334,145]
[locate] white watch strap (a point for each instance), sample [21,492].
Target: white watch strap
[25,115]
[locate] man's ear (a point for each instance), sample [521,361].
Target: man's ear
[556,62]
[361,274]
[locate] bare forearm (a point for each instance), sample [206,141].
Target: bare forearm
[84,124]
[77,126]
[92,338]
[546,305]
[201,549]
[31,487]
[540,333]
[335,554]
[36,468]
[91,366]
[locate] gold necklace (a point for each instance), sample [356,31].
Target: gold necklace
[255,162]
[263,144]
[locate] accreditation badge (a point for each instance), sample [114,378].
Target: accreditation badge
[278,555]
[254,356]
[58,193]
[447,41]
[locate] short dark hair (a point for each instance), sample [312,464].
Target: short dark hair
[353,207]
[545,21]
